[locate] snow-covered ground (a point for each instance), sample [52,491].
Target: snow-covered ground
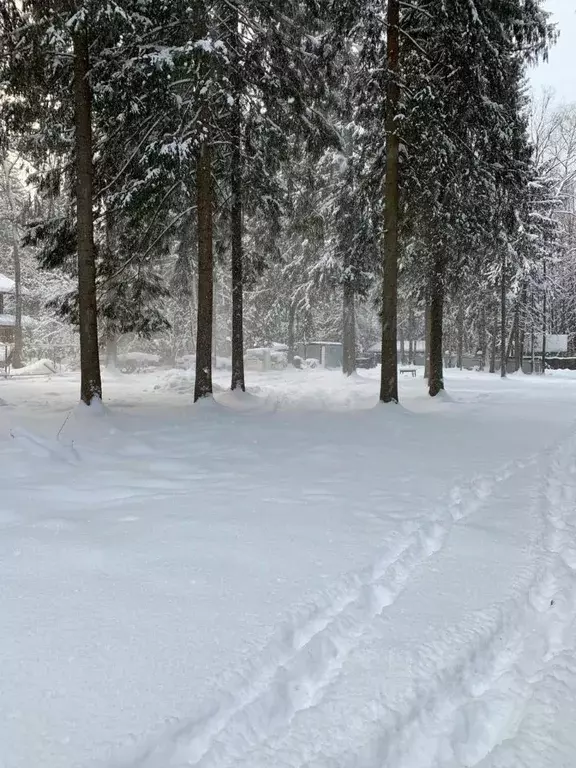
[289,578]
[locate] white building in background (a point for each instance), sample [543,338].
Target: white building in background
[555,343]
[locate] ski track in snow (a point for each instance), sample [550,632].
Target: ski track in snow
[469,713]
[473,712]
[492,687]
[309,654]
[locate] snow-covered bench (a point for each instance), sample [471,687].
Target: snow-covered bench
[408,369]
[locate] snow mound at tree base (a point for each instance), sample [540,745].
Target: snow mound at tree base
[182,382]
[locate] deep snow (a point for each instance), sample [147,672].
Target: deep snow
[288,578]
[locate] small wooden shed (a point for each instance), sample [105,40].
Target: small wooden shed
[327,353]
[7,322]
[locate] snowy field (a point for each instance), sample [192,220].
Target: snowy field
[290,578]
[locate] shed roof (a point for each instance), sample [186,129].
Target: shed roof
[7,285]
[9,321]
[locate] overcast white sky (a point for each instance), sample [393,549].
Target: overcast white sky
[560,71]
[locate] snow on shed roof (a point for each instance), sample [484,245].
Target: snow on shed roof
[9,321]
[7,285]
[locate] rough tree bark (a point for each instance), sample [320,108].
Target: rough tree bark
[90,381]
[215,287]
[522,328]
[436,375]
[482,338]
[17,350]
[389,370]
[460,342]
[203,384]
[411,336]
[544,318]
[494,341]
[349,329]
[517,335]
[503,348]
[291,323]
[533,337]
[427,338]
[237,256]
[204,218]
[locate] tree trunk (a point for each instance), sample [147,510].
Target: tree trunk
[204,218]
[214,321]
[522,327]
[517,346]
[194,312]
[533,338]
[482,338]
[503,350]
[544,320]
[17,350]
[402,342]
[90,381]
[389,370]
[494,342]
[203,384]
[291,323]
[427,338]
[436,377]
[510,351]
[236,166]
[112,352]
[349,329]
[460,343]
[411,336]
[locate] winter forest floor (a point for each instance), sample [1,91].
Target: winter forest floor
[289,578]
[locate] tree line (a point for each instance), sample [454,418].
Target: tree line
[383,153]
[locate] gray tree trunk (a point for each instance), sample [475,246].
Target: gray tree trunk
[349,329]
[17,351]
[460,341]
[90,381]
[389,369]
[427,339]
[544,320]
[112,352]
[517,346]
[203,384]
[503,349]
[402,342]
[436,377]
[494,342]
[291,323]
[482,345]
[236,166]
[411,336]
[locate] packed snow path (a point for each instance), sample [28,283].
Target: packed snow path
[292,579]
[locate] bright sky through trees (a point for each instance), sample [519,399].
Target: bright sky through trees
[559,72]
